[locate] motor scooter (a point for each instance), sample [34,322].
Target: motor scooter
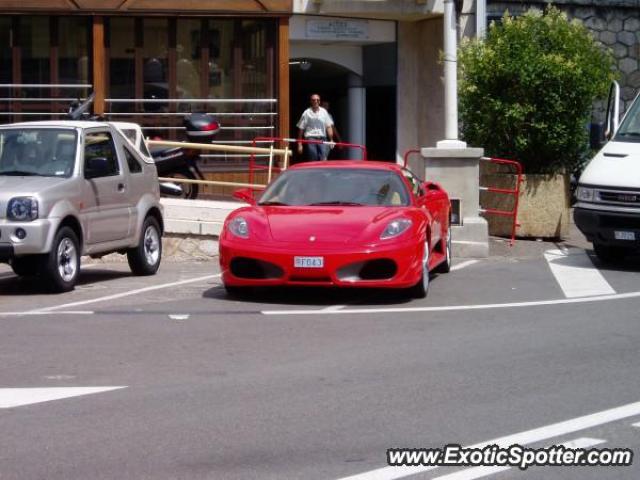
[182,162]
[177,162]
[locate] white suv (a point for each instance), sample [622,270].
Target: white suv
[72,188]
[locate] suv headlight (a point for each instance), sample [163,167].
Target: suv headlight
[22,209]
[395,228]
[239,227]
[585,194]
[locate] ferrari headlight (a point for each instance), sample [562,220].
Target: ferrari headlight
[22,209]
[239,227]
[395,228]
[585,194]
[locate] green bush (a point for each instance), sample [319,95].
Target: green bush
[526,90]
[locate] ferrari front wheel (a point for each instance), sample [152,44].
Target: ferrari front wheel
[420,289]
[445,266]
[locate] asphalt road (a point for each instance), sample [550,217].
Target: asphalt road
[317,384]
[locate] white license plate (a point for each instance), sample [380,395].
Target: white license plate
[308,262]
[619,235]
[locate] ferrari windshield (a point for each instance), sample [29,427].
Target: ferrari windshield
[337,186]
[629,130]
[47,152]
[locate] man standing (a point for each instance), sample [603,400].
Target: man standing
[315,124]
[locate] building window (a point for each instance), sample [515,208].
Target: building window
[52,51]
[222,66]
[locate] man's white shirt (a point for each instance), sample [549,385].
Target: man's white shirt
[315,124]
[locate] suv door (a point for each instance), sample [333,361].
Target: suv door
[109,213]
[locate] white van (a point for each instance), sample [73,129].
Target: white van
[607,211]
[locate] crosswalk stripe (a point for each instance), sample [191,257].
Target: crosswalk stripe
[16,397]
[576,274]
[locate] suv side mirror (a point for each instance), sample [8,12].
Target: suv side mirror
[96,167]
[596,136]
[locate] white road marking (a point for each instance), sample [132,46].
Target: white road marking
[179,316]
[453,308]
[333,308]
[522,438]
[459,266]
[576,274]
[33,313]
[124,294]
[16,397]
[479,472]
[637,425]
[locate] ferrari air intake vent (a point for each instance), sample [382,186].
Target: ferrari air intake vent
[243,267]
[378,269]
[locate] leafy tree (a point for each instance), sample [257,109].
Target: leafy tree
[527,89]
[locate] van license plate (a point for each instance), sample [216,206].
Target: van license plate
[619,235]
[308,262]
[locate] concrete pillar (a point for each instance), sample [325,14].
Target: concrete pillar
[357,114]
[451,163]
[450,78]
[458,171]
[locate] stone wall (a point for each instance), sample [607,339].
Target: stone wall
[615,23]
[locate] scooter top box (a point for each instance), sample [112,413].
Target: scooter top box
[200,127]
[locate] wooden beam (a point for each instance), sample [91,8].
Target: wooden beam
[99,60]
[283,77]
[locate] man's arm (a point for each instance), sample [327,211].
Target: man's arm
[330,133]
[300,136]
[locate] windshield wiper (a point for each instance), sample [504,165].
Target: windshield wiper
[18,173]
[282,204]
[352,204]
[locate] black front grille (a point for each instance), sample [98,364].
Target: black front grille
[300,278]
[243,267]
[629,198]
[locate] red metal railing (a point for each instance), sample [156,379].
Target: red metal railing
[504,191]
[515,191]
[253,166]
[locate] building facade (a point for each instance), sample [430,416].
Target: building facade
[148,61]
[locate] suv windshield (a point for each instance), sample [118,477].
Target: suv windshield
[46,152]
[337,186]
[629,130]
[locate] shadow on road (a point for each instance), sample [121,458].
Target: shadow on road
[313,296]
[12,285]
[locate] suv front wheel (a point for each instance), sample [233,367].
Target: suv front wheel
[145,258]
[62,264]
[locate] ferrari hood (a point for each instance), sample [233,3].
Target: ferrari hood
[323,224]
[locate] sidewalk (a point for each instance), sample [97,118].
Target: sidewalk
[531,248]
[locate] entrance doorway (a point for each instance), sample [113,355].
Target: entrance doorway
[329,80]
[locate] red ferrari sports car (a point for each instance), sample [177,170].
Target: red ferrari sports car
[339,223]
